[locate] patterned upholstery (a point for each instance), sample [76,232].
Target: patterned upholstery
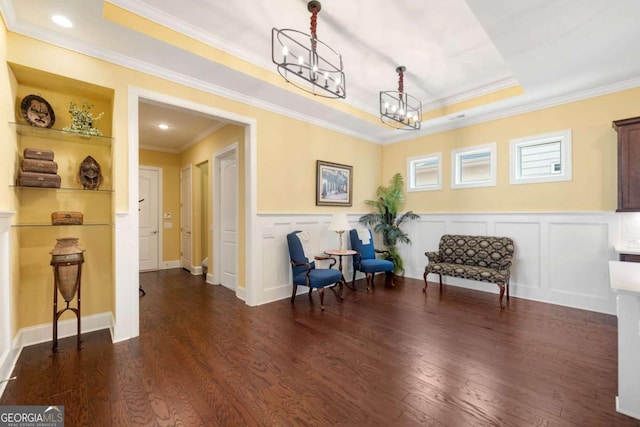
[482,258]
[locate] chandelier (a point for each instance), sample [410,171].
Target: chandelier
[307,62]
[398,109]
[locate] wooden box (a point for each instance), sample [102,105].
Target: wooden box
[35,179]
[38,154]
[66,218]
[42,166]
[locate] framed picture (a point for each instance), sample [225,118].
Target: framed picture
[334,183]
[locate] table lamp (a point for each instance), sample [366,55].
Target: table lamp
[339,224]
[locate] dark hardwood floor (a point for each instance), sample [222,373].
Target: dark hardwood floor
[393,357]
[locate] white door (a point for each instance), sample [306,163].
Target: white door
[149,218]
[185,218]
[228,221]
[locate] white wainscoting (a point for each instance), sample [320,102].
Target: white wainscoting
[8,357]
[561,258]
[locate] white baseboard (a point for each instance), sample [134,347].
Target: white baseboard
[209,279]
[166,265]
[196,270]
[7,363]
[66,328]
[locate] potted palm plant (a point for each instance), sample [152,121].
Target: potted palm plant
[386,220]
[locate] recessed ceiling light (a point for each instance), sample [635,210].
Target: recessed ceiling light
[163,126]
[63,21]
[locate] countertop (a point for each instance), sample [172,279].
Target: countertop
[625,276]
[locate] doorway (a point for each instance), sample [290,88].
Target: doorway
[205,226]
[149,217]
[126,301]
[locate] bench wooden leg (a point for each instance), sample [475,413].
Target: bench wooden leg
[501,294]
[425,282]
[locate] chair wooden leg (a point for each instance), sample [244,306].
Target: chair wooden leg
[310,290]
[369,281]
[439,274]
[293,295]
[501,294]
[507,290]
[425,282]
[321,292]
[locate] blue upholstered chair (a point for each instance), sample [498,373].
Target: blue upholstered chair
[304,269]
[365,260]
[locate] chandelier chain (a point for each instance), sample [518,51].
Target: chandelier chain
[400,81]
[314,25]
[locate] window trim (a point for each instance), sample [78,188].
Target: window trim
[456,155]
[411,161]
[566,173]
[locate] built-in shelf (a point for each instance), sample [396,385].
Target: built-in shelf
[105,224]
[59,134]
[71,189]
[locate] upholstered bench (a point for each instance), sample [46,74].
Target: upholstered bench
[481,258]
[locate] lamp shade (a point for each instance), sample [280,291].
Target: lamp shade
[339,222]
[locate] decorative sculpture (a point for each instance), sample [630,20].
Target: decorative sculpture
[82,121]
[90,174]
[37,111]
[66,259]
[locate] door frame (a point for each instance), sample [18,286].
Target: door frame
[190,267]
[216,220]
[160,216]
[126,304]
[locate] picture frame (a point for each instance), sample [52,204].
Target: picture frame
[334,184]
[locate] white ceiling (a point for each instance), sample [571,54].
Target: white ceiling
[454,50]
[186,127]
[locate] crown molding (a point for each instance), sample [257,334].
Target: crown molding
[500,109]
[471,94]
[182,27]
[204,134]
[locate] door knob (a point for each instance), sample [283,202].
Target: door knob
[154,232]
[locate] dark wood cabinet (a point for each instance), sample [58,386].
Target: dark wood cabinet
[629,257]
[628,164]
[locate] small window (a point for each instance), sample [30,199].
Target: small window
[424,173]
[540,158]
[474,166]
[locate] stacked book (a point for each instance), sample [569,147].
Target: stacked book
[38,169]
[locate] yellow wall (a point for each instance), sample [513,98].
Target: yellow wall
[594,184]
[287,165]
[170,164]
